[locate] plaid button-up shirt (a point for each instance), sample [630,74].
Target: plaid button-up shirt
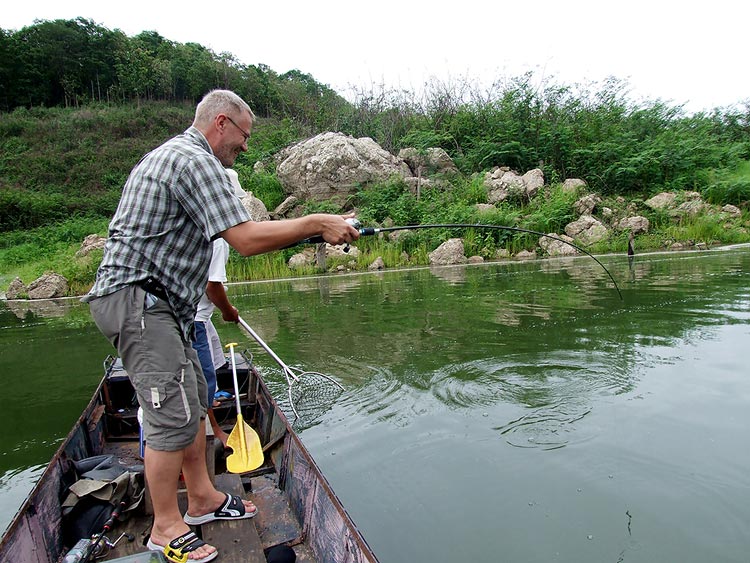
[174,203]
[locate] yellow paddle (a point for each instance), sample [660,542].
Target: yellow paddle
[247,453]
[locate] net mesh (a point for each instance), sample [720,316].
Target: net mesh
[307,397]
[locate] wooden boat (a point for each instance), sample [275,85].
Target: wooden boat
[297,506]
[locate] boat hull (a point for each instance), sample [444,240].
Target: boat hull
[297,506]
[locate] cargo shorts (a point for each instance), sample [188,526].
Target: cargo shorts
[162,366]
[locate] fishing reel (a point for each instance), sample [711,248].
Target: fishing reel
[102,548]
[91,549]
[354,222]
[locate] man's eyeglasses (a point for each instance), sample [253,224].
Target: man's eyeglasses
[246,135]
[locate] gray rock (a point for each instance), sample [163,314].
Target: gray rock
[525,255]
[450,252]
[664,200]
[255,207]
[286,206]
[48,286]
[555,247]
[587,204]
[430,161]
[377,264]
[91,242]
[587,229]
[333,165]
[16,289]
[573,185]
[636,225]
[732,210]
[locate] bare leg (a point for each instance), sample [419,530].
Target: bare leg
[218,431]
[163,469]
[202,495]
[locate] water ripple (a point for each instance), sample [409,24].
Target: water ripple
[557,393]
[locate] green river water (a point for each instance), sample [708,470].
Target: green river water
[515,412]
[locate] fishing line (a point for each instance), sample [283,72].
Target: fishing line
[368,231]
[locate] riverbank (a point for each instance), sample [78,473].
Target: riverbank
[56,306]
[506,230]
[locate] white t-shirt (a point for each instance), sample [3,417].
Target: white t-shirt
[217,352]
[217,272]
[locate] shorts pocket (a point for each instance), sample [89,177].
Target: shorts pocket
[163,398]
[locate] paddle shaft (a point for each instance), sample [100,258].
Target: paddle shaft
[234,379]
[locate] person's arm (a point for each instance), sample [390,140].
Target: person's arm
[218,296]
[251,238]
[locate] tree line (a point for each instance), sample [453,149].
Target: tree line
[71,63]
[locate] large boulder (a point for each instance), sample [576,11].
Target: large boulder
[16,289]
[635,225]
[557,246]
[587,229]
[427,162]
[90,243]
[664,200]
[503,183]
[333,165]
[450,252]
[48,286]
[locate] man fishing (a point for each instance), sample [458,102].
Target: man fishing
[176,201]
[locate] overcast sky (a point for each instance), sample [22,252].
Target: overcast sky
[683,53]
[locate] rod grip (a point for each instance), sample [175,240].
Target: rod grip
[363,232]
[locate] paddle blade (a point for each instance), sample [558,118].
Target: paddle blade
[247,453]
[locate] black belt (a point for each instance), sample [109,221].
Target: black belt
[154,288]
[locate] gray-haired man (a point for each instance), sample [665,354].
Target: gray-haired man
[176,201]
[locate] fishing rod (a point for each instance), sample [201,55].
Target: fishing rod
[368,231]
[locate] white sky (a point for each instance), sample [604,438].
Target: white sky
[681,52]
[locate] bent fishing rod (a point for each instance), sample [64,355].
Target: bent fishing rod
[368,231]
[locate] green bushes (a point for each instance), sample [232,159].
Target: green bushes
[61,170]
[729,185]
[264,185]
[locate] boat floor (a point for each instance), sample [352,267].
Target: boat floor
[240,541]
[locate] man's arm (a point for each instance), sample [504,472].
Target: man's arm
[218,296]
[251,238]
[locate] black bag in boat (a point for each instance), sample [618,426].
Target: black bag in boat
[102,484]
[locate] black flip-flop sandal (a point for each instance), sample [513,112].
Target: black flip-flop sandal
[231,509]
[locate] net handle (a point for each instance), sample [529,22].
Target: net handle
[287,370]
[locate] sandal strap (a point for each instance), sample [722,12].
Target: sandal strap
[184,544]
[232,507]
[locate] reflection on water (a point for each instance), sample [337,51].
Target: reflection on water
[45,308]
[562,423]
